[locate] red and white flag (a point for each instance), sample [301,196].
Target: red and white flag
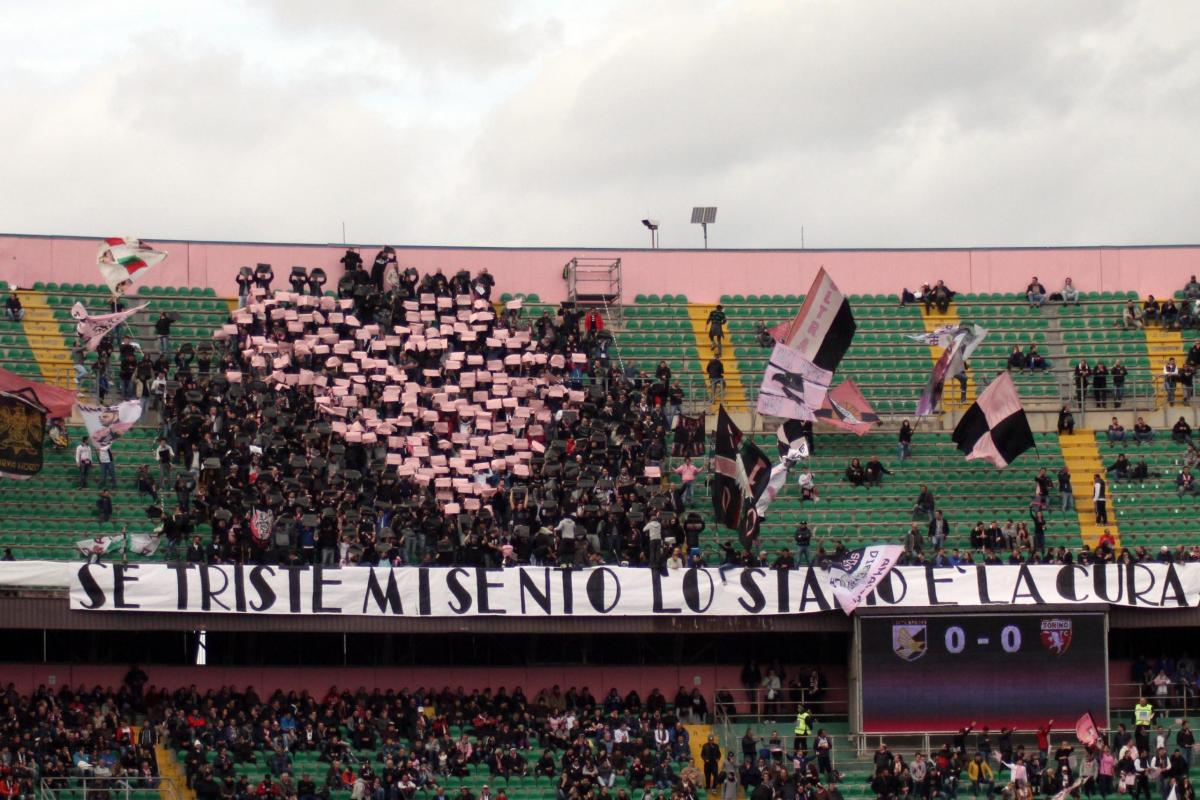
[123,260]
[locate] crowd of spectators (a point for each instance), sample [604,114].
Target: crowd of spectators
[49,737]
[406,422]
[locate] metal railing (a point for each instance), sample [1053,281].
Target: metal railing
[1177,699]
[112,787]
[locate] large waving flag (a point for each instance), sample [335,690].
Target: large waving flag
[846,408]
[793,387]
[740,475]
[951,362]
[855,574]
[995,429]
[123,260]
[823,328]
[93,329]
[106,424]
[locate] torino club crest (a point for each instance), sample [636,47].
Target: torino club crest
[1056,635]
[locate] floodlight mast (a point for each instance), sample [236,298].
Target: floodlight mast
[703,216]
[652,224]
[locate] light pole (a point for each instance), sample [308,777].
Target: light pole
[652,224]
[704,216]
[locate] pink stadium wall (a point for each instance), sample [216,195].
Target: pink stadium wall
[702,275]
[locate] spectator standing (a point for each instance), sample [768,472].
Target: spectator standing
[1083,375]
[162,329]
[1187,379]
[687,472]
[1066,421]
[1099,499]
[1118,374]
[1100,384]
[925,505]
[108,470]
[1170,373]
[716,379]
[905,440]
[104,506]
[83,460]
[803,542]
[716,327]
[1065,489]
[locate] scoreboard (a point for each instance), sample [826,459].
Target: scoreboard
[940,673]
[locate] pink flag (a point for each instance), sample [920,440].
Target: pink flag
[93,329]
[1085,729]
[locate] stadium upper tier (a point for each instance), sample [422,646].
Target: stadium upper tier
[47,516]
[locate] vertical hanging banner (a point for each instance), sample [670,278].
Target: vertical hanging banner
[741,472]
[22,434]
[689,436]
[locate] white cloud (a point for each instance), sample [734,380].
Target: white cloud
[909,124]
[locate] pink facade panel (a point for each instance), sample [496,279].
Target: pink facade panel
[701,275]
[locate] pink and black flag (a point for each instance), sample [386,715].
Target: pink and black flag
[846,408]
[995,429]
[740,475]
[823,328]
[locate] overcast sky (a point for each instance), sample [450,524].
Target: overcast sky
[565,123]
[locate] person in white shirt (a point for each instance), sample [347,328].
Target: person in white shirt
[676,559]
[1069,293]
[653,531]
[83,460]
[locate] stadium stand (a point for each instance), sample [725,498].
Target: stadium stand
[667,330]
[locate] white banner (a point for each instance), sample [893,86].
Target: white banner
[604,591]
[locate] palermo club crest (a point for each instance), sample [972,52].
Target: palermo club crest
[909,640]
